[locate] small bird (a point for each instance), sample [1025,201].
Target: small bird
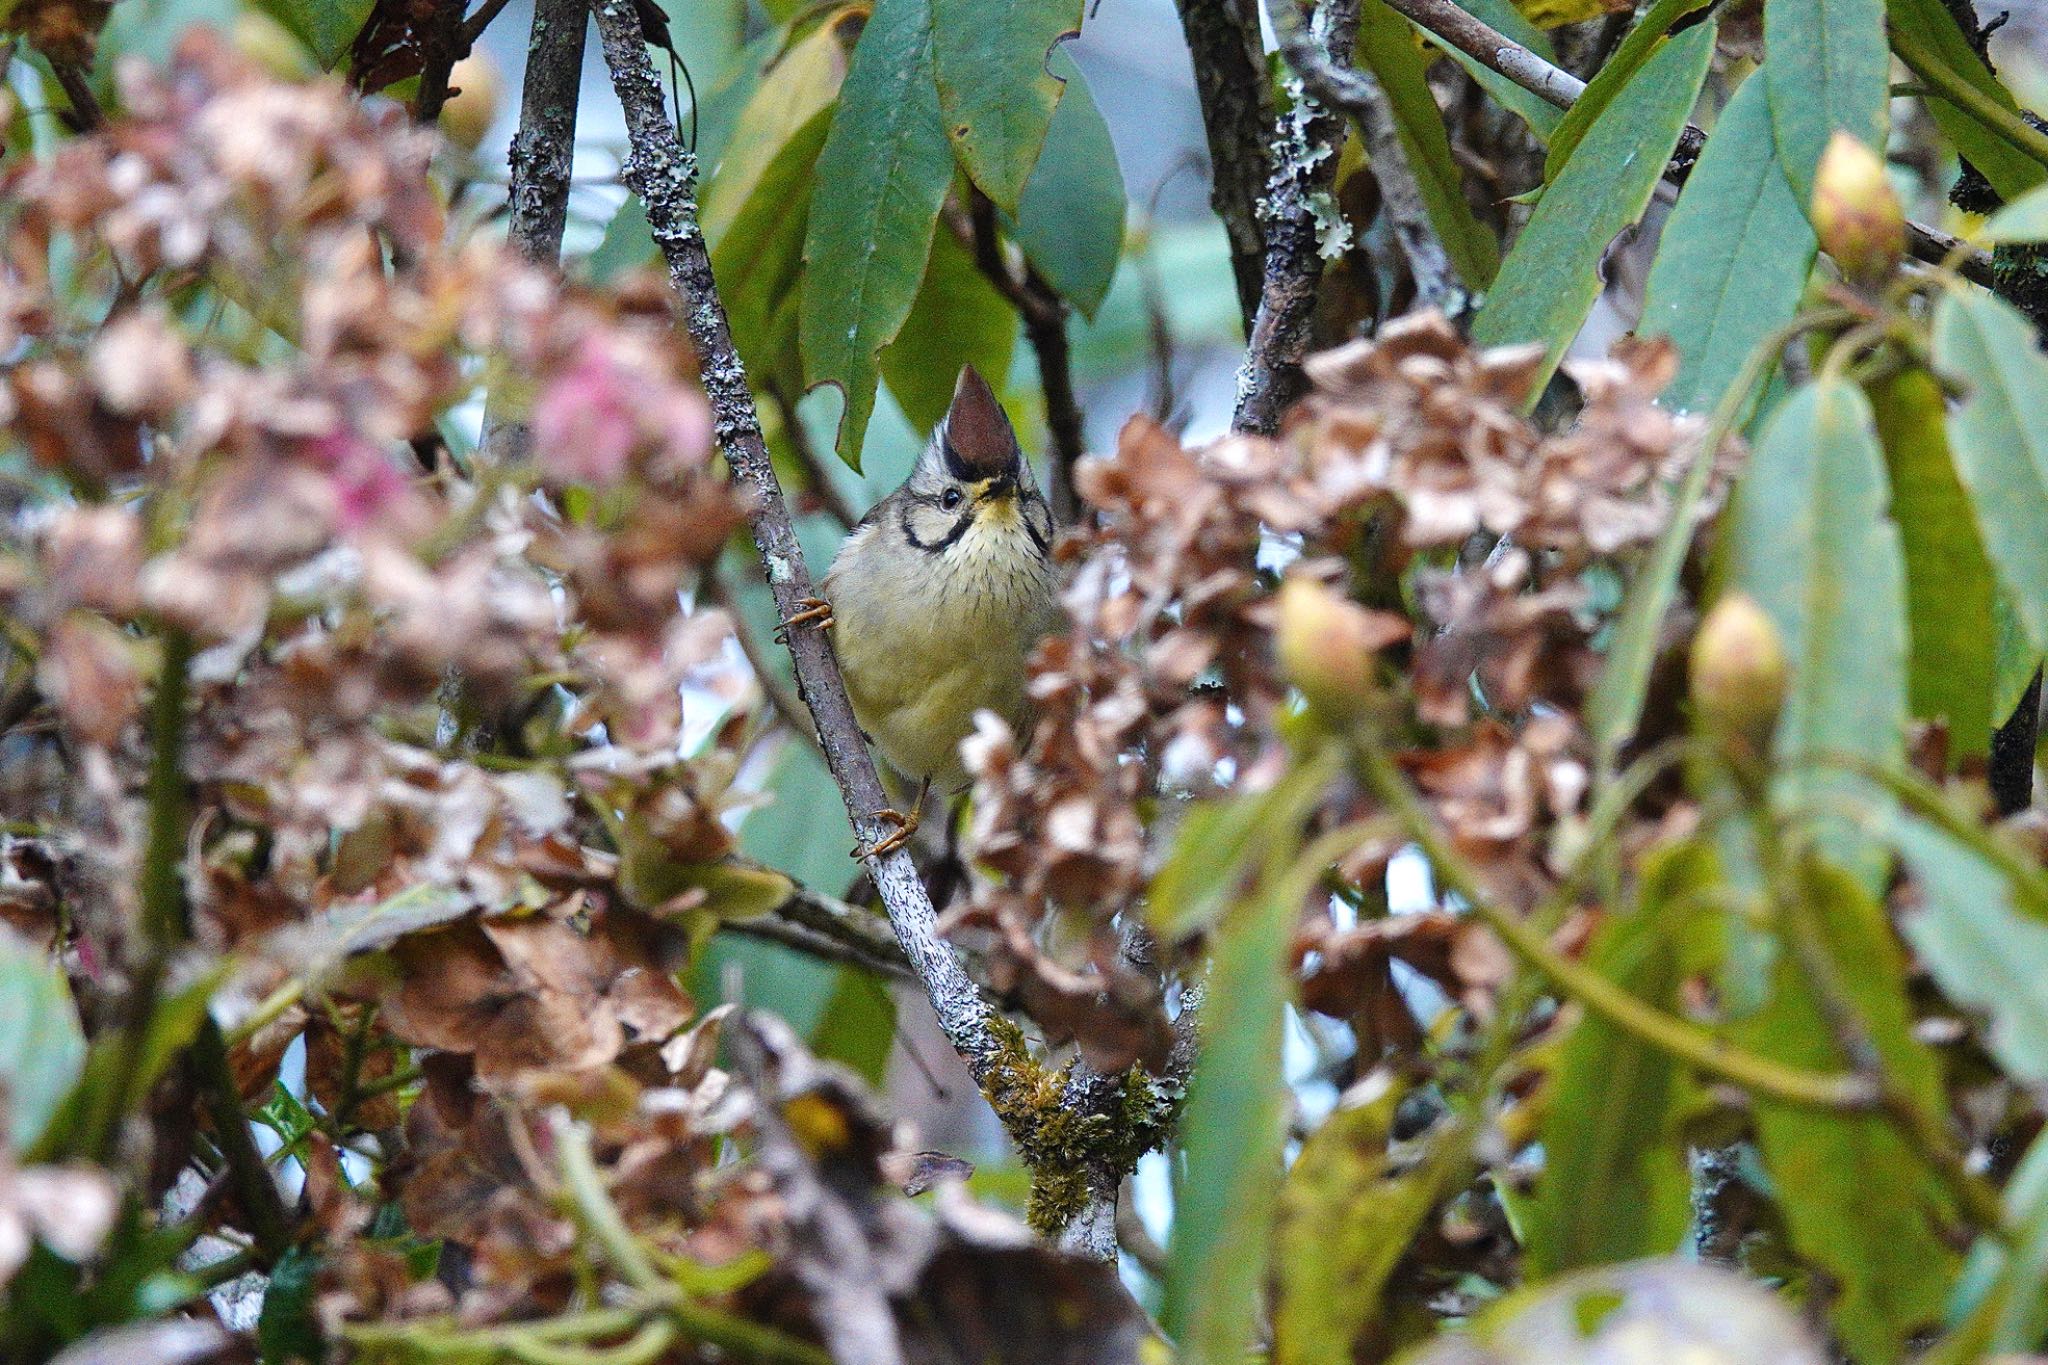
[938,595]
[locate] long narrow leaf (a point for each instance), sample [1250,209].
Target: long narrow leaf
[1642,43]
[881,178]
[1549,281]
[1734,259]
[1828,68]
[2001,446]
[1386,45]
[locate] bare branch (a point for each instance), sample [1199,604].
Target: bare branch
[1330,77]
[1045,327]
[818,479]
[1237,113]
[473,28]
[1297,200]
[86,114]
[664,176]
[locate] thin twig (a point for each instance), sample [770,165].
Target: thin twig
[255,1191]
[1045,327]
[1499,53]
[441,35]
[855,929]
[86,114]
[817,478]
[799,939]
[789,707]
[1237,114]
[1331,78]
[663,175]
[473,27]
[1296,203]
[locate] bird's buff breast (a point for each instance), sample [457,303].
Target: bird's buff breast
[925,645]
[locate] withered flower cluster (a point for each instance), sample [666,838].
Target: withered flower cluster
[434,804]
[1410,473]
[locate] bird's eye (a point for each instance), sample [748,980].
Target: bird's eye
[951,499]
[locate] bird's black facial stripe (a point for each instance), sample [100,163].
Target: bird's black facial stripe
[1038,524]
[945,542]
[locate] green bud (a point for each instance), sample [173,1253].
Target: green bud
[1739,672]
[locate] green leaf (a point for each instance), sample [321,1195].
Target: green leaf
[1607,1124]
[1857,1200]
[1733,259]
[758,262]
[2025,219]
[1198,881]
[1949,586]
[286,1328]
[1810,541]
[989,57]
[2009,1280]
[1235,1122]
[858,1024]
[1828,68]
[799,85]
[958,319]
[1981,950]
[1647,1313]
[2014,659]
[2001,446]
[1070,224]
[1549,281]
[1387,47]
[881,178]
[1537,112]
[627,244]
[1924,32]
[1642,43]
[42,1047]
[328,28]
[1332,1272]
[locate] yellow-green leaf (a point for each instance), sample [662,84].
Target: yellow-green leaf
[881,178]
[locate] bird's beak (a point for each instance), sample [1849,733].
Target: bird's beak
[1002,487]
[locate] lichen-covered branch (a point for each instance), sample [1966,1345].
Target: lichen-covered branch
[1237,114]
[542,155]
[664,176]
[1297,205]
[1330,77]
[544,148]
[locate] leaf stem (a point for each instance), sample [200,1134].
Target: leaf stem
[595,1211]
[1950,85]
[1681,1039]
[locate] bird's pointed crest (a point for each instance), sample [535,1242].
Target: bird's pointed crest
[976,438]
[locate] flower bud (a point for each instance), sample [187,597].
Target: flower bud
[1739,673]
[473,102]
[1856,212]
[1326,645]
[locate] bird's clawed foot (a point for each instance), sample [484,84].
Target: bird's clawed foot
[816,612]
[906,826]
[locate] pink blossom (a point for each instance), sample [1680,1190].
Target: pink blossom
[584,427]
[362,479]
